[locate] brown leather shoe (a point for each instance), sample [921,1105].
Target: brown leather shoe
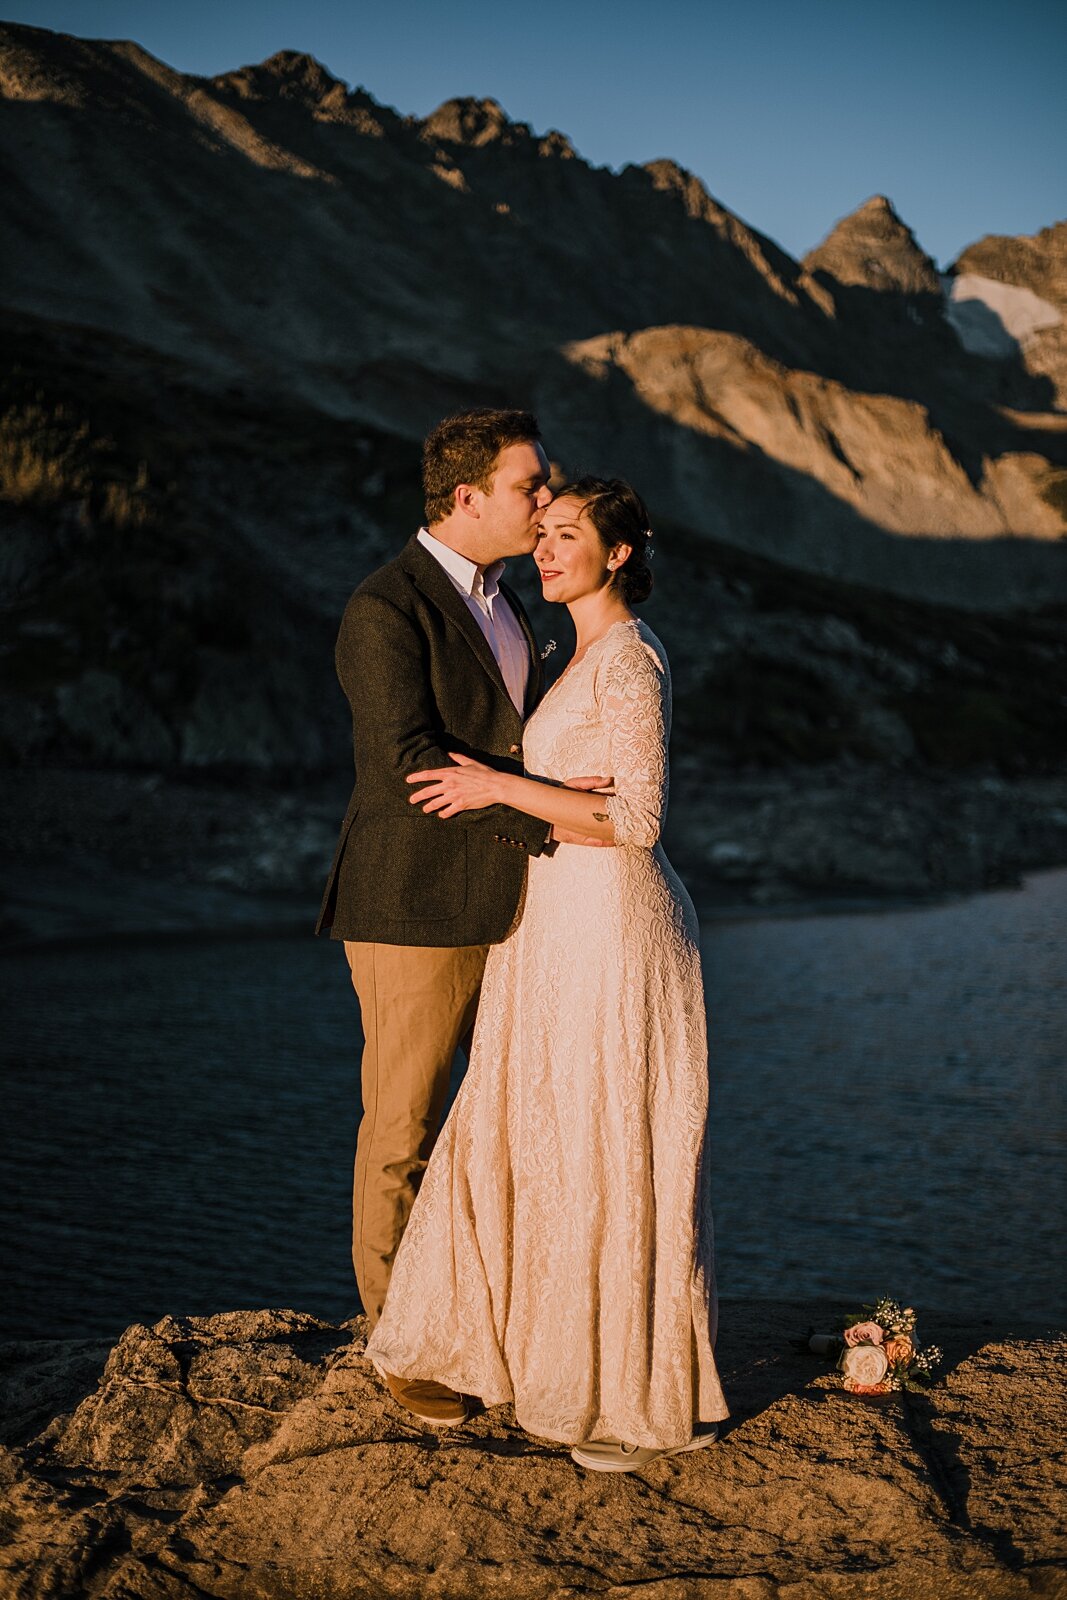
[430,1402]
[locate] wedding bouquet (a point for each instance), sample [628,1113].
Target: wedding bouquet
[879,1350]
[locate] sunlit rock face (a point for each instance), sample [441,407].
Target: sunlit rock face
[257,1452]
[724,390]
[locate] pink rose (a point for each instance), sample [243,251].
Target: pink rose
[863,1333]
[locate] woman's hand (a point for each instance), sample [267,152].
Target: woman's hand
[468,786]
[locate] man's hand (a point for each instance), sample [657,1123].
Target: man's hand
[597,785]
[566,836]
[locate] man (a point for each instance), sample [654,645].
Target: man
[435,654]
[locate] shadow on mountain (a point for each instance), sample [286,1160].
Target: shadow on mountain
[176,563]
[734,492]
[900,344]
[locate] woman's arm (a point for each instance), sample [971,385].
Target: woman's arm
[634,698]
[468,786]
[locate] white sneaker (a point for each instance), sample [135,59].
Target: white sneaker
[614,1455]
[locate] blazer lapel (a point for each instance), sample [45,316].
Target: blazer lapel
[435,583]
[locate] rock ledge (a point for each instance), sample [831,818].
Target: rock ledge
[253,1453]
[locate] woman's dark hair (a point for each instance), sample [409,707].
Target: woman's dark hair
[618,514]
[464,448]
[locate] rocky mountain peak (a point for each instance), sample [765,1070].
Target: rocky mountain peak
[38,65]
[474,122]
[879,205]
[288,75]
[874,248]
[1036,261]
[669,176]
[555,143]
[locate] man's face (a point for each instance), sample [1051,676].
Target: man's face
[511,510]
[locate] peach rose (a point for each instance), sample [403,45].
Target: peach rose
[899,1348]
[865,1364]
[863,1333]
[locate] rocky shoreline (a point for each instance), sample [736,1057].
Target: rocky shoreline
[85,854]
[254,1454]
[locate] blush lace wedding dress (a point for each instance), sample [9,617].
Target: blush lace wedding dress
[560,1250]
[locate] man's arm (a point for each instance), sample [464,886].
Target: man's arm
[381,664]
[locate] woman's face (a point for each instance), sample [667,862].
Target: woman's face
[570,557]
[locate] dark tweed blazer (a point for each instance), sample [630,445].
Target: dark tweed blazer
[421,681]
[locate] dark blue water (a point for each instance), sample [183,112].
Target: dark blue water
[888,1115]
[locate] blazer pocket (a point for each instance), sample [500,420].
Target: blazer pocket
[412,869]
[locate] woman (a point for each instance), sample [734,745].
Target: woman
[560,1251]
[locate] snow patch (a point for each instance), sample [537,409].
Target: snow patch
[991,318]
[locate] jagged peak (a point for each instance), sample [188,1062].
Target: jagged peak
[878,212]
[555,143]
[470,121]
[873,246]
[289,75]
[670,177]
[878,204]
[1052,238]
[1036,261]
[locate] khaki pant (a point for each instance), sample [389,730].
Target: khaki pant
[418,1004]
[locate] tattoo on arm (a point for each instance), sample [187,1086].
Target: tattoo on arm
[600,816]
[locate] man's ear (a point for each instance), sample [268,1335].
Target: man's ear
[465,499]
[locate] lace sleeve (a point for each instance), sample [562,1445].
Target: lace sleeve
[635,702]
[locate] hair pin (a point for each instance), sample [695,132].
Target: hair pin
[549,647]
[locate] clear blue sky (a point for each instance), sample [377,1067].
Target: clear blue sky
[793,112]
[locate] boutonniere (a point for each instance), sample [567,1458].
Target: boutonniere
[549,647]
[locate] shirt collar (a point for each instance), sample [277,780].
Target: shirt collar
[491,576]
[468,574]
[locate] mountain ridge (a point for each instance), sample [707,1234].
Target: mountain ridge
[283,234]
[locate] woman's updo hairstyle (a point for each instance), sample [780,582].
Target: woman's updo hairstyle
[618,514]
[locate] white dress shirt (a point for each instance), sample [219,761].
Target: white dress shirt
[480,588]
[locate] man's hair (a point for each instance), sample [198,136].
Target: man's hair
[463,449]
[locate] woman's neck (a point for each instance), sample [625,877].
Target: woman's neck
[594,614]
